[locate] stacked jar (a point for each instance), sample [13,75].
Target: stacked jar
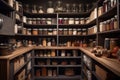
[110,24]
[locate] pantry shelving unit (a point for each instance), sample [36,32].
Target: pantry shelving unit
[81,69]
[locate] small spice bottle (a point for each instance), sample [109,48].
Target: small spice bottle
[45,31]
[24,31]
[44,42]
[71,21]
[29,31]
[70,32]
[49,21]
[50,32]
[54,31]
[60,21]
[65,31]
[78,31]
[112,24]
[108,25]
[76,20]
[40,31]
[84,32]
[48,42]
[82,21]
[115,22]
[34,21]
[74,31]
[53,42]
[43,21]
[35,31]
[65,21]
[29,20]
[60,32]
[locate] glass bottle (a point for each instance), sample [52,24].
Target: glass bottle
[59,7]
[50,8]
[34,10]
[74,8]
[115,22]
[40,9]
[53,42]
[67,8]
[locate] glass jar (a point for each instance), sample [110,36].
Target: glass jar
[65,21]
[70,32]
[105,7]
[29,20]
[40,31]
[59,7]
[71,21]
[60,21]
[112,24]
[29,31]
[107,43]
[48,42]
[65,32]
[37,21]
[44,42]
[68,43]
[113,43]
[43,21]
[104,26]
[74,8]
[54,31]
[49,21]
[34,21]
[67,8]
[24,31]
[53,43]
[53,53]
[50,8]
[108,25]
[40,9]
[74,31]
[35,31]
[34,9]
[45,31]
[82,21]
[115,22]
[50,32]
[101,27]
[84,32]
[63,53]
[60,32]
[76,20]
[79,32]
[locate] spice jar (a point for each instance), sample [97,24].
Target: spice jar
[116,22]
[71,21]
[45,31]
[48,42]
[84,32]
[38,21]
[50,32]
[54,31]
[60,21]
[70,32]
[78,31]
[74,31]
[43,21]
[113,43]
[63,53]
[76,20]
[65,21]
[24,31]
[68,43]
[29,20]
[53,42]
[50,8]
[104,26]
[101,27]
[40,31]
[44,42]
[49,21]
[60,32]
[112,24]
[53,53]
[35,31]
[34,21]
[29,32]
[65,31]
[82,21]
[108,25]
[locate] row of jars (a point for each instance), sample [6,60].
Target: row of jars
[58,6]
[61,31]
[108,4]
[92,30]
[73,21]
[110,24]
[16,5]
[37,21]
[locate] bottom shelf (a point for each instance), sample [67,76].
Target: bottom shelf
[76,77]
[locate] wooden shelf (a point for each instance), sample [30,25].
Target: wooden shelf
[78,77]
[58,57]
[40,25]
[41,15]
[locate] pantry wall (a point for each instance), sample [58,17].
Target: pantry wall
[50,39]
